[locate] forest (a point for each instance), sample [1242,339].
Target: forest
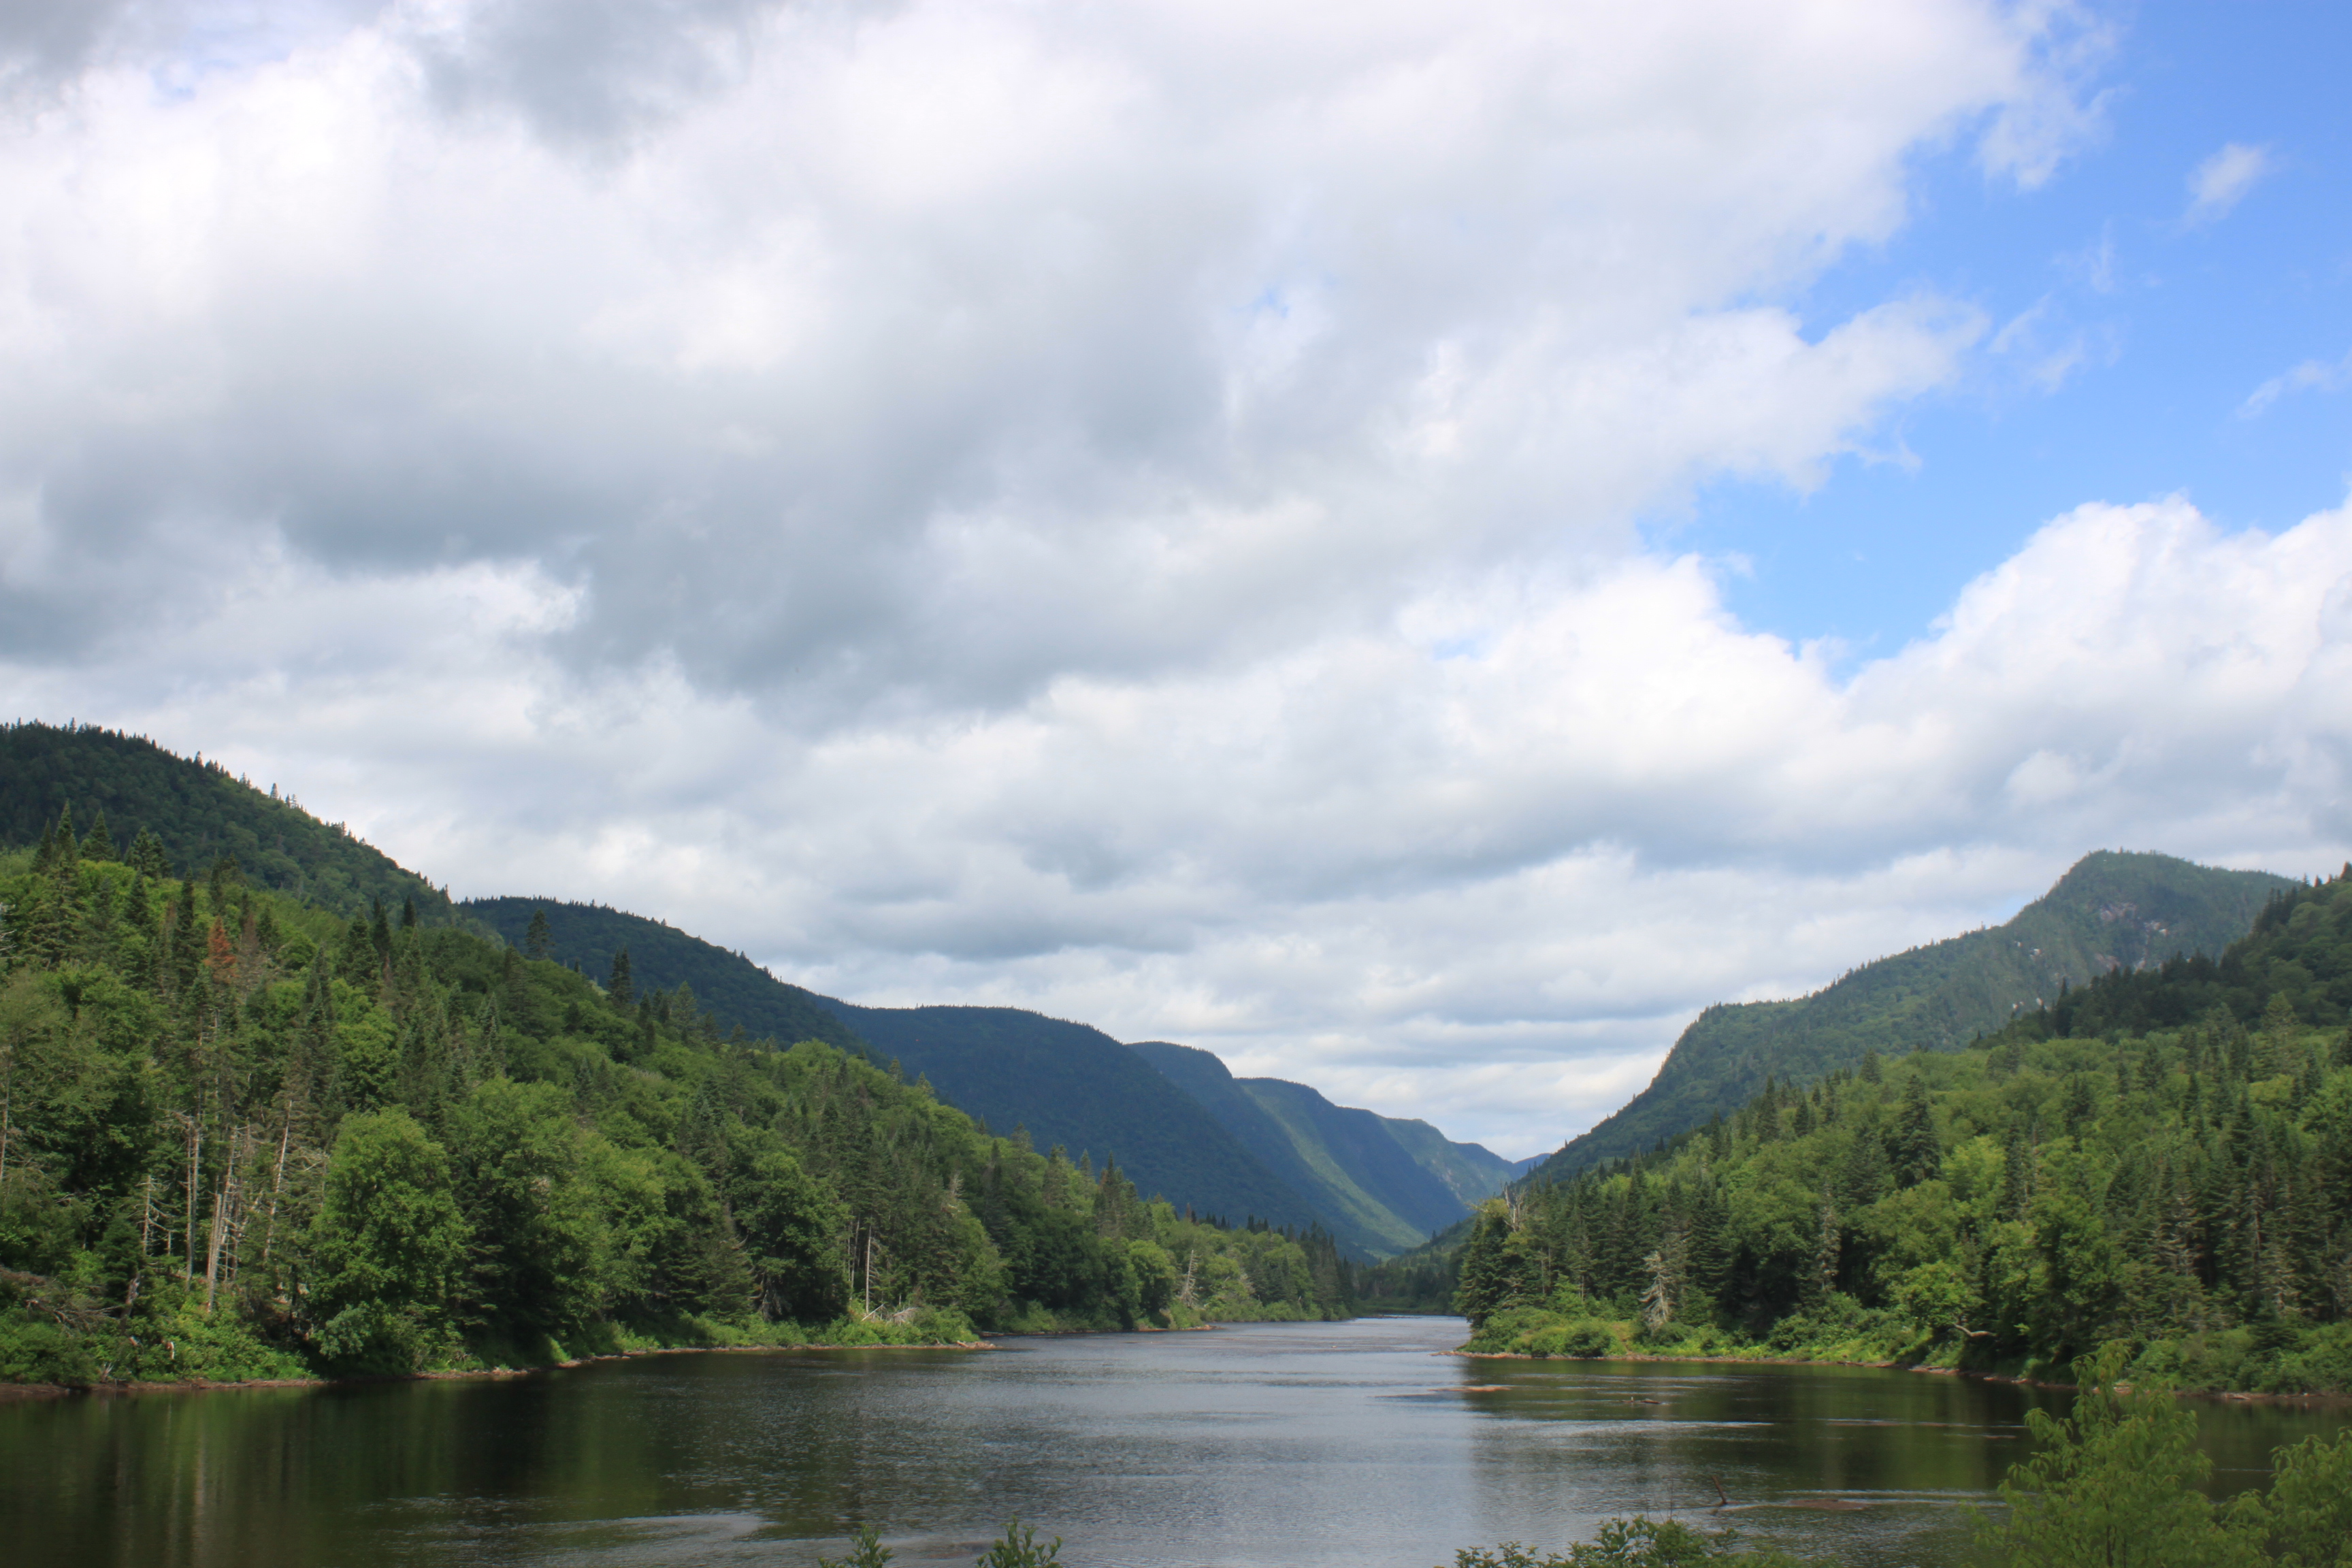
[245,1136]
[2161,1160]
[2112,911]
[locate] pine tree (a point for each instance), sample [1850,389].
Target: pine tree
[99,845]
[1911,1145]
[538,941]
[147,857]
[622,990]
[408,914]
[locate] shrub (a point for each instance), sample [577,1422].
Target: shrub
[1589,1340]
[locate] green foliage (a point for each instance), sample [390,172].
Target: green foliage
[2114,1482]
[2186,1191]
[866,1552]
[647,956]
[387,1245]
[1073,1087]
[2109,909]
[241,1136]
[1636,1542]
[1018,1548]
[189,815]
[1383,1184]
[2305,1518]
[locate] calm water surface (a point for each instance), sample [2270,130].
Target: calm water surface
[1291,1443]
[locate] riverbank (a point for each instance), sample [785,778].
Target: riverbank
[2321,1400]
[17,1391]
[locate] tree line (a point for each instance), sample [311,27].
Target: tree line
[2161,1160]
[243,1135]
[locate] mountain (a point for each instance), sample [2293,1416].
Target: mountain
[1384,1185]
[1242,1149]
[1471,1172]
[200,811]
[2160,1165]
[663,958]
[1075,1088]
[2111,910]
[249,1137]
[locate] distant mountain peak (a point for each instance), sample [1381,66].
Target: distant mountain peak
[2113,909]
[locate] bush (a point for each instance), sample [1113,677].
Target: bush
[34,1351]
[1635,1543]
[1590,1340]
[1018,1548]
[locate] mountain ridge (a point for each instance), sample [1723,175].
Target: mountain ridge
[2112,909]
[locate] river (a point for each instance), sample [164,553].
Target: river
[1355,1444]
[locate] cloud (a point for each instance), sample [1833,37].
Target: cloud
[1133,513]
[2311,376]
[2217,184]
[1485,886]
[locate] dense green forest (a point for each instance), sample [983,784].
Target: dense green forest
[1068,1083]
[1060,1082]
[242,1135]
[2116,1482]
[197,811]
[2111,910]
[660,957]
[1382,1184]
[2161,1160]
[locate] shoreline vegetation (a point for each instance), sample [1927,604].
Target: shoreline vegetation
[2116,1482]
[2159,1162]
[246,1139]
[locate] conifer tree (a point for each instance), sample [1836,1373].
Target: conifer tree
[622,990]
[1911,1145]
[147,856]
[99,845]
[538,941]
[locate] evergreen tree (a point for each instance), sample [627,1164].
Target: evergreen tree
[1913,1151]
[621,991]
[147,857]
[538,941]
[99,845]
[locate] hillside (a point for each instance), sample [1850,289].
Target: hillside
[664,958]
[1385,1185]
[2111,910]
[1075,1088]
[250,1136]
[2160,1161]
[200,811]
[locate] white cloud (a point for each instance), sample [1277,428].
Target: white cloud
[2222,180]
[1132,513]
[1487,887]
[2311,376]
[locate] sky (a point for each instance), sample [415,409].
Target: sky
[1413,547]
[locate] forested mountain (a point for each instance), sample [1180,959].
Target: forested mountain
[1287,1154]
[661,957]
[243,1135]
[2163,1159]
[2111,910]
[1380,1184]
[197,811]
[1067,1086]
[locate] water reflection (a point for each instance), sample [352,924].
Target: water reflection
[1308,1444]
